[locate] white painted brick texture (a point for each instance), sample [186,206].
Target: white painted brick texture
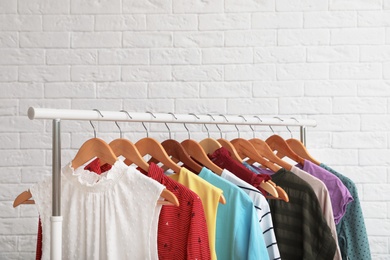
[324,60]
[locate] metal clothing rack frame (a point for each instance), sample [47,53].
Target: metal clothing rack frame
[88,115]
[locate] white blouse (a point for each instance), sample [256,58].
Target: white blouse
[108,216]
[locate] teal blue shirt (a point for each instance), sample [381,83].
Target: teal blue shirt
[238,234]
[351,230]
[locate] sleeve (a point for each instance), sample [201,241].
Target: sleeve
[198,246]
[250,237]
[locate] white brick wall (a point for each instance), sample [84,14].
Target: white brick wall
[325,60]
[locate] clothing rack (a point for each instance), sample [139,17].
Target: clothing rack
[123,116]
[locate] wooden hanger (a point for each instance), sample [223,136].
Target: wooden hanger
[23,198]
[92,148]
[129,151]
[277,143]
[300,149]
[264,150]
[230,147]
[246,149]
[209,145]
[152,147]
[196,151]
[177,151]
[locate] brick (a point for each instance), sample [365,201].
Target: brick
[375,122]
[21,157]
[106,104]
[198,6]
[362,174]
[173,90]
[147,40]
[9,140]
[355,71]
[178,22]
[7,211]
[386,71]
[10,175]
[66,23]
[301,5]
[8,107]
[22,123]
[331,88]
[22,57]
[153,105]
[378,245]
[17,256]
[19,226]
[197,73]
[335,19]
[8,7]
[250,72]
[146,73]
[375,157]
[11,22]
[120,22]
[332,156]
[49,103]
[27,243]
[359,105]
[95,73]
[359,140]
[305,105]
[226,89]
[199,106]
[224,21]
[121,89]
[300,71]
[376,192]
[175,56]
[198,39]
[21,90]
[252,106]
[123,56]
[379,53]
[148,6]
[43,7]
[71,57]
[373,88]
[249,6]
[9,39]
[374,209]
[8,243]
[333,54]
[44,73]
[253,38]
[305,37]
[373,19]
[278,89]
[97,40]
[277,20]
[279,54]
[44,40]
[8,73]
[227,56]
[34,175]
[95,7]
[358,36]
[355,5]
[42,140]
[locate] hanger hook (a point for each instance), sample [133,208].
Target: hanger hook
[261,121]
[151,114]
[188,131]
[94,130]
[289,129]
[220,131]
[253,130]
[208,133]
[281,120]
[120,130]
[226,121]
[143,123]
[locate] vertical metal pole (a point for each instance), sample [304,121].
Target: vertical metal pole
[56,219]
[303,135]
